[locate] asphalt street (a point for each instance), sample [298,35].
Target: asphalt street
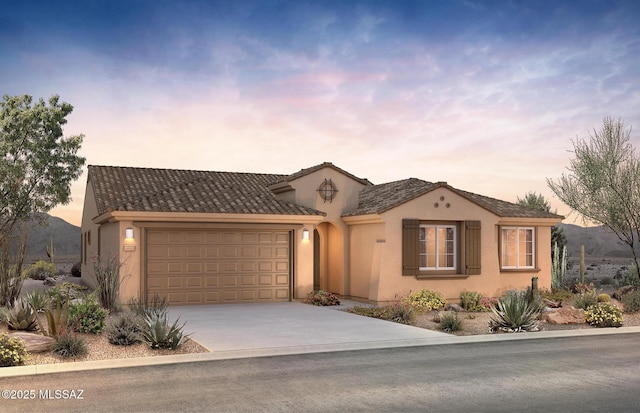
[581,374]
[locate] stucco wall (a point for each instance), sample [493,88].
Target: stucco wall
[491,282]
[89,211]
[367,243]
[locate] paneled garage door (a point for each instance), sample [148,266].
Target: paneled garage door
[217,266]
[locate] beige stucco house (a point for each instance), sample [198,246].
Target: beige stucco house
[199,237]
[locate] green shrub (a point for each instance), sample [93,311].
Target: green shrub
[585,300]
[604,298]
[4,314]
[57,314]
[631,302]
[40,270]
[425,300]
[22,316]
[628,277]
[76,270]
[513,313]
[322,298]
[603,315]
[470,300]
[69,345]
[87,316]
[450,322]
[125,329]
[158,334]
[13,351]
[39,299]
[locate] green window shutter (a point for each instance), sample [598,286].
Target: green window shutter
[472,249]
[410,246]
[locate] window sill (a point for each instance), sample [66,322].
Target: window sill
[439,274]
[517,270]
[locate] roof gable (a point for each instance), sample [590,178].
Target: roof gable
[170,190]
[377,199]
[307,171]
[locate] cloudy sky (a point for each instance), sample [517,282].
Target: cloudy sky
[486,95]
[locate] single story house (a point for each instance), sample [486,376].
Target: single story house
[201,237]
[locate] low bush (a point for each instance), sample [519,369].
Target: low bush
[488,302]
[585,300]
[556,295]
[603,315]
[40,270]
[125,329]
[513,313]
[158,334]
[370,311]
[76,270]
[604,298]
[322,298]
[4,314]
[22,316]
[450,322]
[13,351]
[631,302]
[87,316]
[627,277]
[69,345]
[425,300]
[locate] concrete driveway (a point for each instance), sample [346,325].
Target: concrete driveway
[291,327]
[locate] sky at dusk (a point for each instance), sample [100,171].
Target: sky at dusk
[486,95]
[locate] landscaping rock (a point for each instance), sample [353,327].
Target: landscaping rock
[35,343]
[454,307]
[622,291]
[552,304]
[565,315]
[49,281]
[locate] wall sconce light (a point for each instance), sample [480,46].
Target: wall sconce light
[128,233]
[305,234]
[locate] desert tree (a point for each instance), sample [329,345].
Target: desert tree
[37,166]
[602,182]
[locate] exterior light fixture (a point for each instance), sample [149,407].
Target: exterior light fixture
[128,233]
[305,234]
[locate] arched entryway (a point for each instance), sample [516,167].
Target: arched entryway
[328,258]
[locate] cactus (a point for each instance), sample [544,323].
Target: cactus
[50,251]
[558,267]
[22,317]
[582,264]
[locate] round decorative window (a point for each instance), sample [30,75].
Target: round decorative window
[327,190]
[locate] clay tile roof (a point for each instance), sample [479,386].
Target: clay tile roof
[171,190]
[377,199]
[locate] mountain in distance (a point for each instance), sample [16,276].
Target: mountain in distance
[598,242]
[65,237]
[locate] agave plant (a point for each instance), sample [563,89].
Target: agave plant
[22,316]
[514,313]
[158,333]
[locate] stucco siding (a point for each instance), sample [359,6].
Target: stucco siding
[367,242]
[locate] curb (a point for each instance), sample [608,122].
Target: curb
[34,370]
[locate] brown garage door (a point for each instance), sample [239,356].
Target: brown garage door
[217,266]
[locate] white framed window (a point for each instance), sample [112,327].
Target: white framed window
[438,247]
[518,246]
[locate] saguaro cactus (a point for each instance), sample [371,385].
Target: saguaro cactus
[50,251]
[558,267]
[582,264]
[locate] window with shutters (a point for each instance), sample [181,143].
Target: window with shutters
[437,247]
[434,248]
